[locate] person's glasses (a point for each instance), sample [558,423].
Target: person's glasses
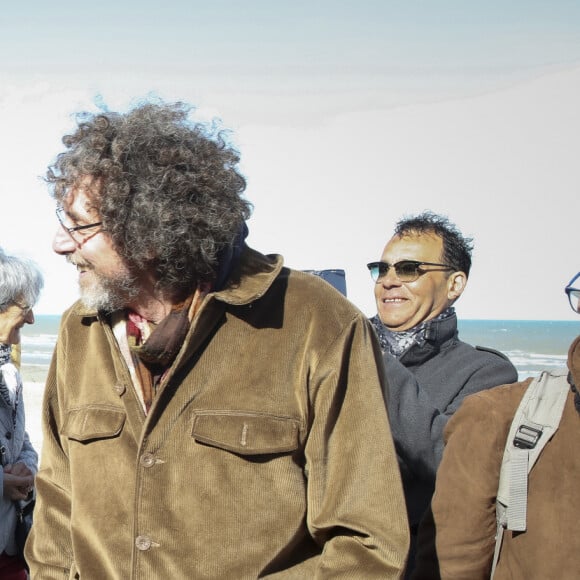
[26,309]
[78,233]
[573,292]
[405,270]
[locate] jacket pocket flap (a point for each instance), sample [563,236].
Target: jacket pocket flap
[93,422]
[246,433]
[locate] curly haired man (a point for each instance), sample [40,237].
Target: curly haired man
[209,413]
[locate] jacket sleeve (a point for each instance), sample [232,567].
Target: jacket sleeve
[356,509]
[28,454]
[48,549]
[417,422]
[457,537]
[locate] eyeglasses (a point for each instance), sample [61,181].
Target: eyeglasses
[26,309]
[405,270]
[574,293]
[73,232]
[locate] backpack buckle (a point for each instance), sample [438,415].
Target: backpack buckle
[527,437]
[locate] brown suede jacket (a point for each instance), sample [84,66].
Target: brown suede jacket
[266,453]
[457,538]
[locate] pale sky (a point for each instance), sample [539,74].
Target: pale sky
[348,115]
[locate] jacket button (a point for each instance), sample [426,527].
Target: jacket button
[8,435]
[147,460]
[119,389]
[143,543]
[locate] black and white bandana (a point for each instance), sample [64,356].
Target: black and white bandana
[396,343]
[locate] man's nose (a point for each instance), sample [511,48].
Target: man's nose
[29,318]
[390,279]
[62,242]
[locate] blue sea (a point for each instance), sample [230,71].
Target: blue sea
[532,345]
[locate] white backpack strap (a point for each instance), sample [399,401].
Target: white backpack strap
[498,543]
[535,422]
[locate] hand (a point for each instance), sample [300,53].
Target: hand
[19,468]
[18,481]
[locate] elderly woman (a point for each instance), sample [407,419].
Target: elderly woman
[20,285]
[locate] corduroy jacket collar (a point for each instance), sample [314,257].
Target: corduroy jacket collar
[250,280]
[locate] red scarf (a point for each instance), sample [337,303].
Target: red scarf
[156,353]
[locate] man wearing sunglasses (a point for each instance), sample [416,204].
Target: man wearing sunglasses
[422,272]
[457,538]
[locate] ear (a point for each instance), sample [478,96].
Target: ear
[456,285]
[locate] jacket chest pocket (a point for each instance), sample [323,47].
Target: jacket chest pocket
[92,422]
[246,433]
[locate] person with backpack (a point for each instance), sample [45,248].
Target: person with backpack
[506,501]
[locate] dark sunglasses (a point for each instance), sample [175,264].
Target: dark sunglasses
[405,270]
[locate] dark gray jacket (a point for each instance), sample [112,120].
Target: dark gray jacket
[426,385]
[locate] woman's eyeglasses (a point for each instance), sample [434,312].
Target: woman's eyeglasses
[25,308]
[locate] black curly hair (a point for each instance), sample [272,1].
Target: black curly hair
[457,248]
[169,191]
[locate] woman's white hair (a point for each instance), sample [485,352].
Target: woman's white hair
[20,280]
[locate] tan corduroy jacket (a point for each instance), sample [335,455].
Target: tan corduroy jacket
[266,453]
[457,538]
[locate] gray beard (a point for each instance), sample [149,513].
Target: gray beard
[109,294]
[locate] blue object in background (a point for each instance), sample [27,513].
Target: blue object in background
[336,278]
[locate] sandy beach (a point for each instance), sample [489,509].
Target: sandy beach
[33,393]
[33,388]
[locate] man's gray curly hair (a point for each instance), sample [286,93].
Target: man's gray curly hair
[169,193]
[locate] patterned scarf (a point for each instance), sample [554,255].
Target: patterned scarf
[10,381]
[397,343]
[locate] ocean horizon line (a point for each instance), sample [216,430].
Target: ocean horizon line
[531,344]
[461,318]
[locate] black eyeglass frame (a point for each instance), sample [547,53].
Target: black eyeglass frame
[417,265]
[571,291]
[59,216]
